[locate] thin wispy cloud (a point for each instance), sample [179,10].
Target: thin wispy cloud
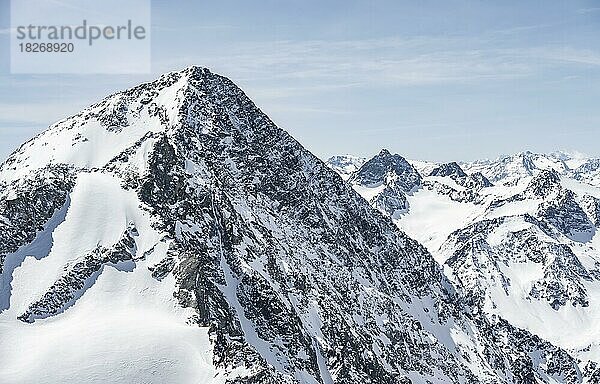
[275,92]
[522,28]
[571,55]
[382,61]
[307,109]
[588,10]
[389,61]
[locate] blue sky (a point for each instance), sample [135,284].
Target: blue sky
[436,80]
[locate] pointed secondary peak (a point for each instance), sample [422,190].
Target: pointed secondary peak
[386,156]
[448,169]
[190,72]
[384,166]
[196,70]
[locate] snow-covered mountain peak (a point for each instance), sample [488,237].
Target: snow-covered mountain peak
[177,221]
[96,135]
[384,167]
[345,165]
[448,169]
[179,201]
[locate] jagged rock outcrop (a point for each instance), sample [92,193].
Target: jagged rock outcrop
[386,168]
[27,204]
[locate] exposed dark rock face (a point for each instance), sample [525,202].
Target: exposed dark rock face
[449,169]
[544,184]
[565,214]
[461,196]
[591,205]
[397,176]
[385,167]
[475,260]
[391,201]
[307,230]
[478,181]
[27,205]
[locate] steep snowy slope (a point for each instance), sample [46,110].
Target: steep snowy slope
[172,233]
[525,249]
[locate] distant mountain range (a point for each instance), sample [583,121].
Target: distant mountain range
[518,235]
